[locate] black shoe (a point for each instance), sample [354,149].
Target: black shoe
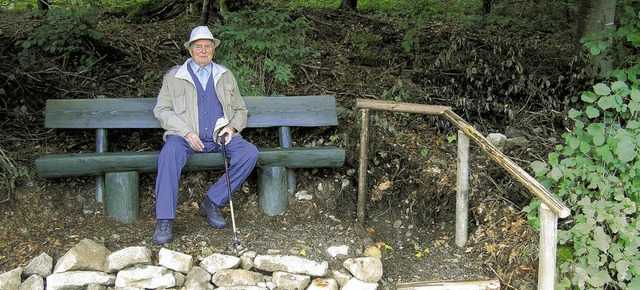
[213,213]
[163,235]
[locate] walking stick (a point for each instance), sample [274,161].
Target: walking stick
[236,242]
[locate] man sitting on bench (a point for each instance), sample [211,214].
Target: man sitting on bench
[198,103]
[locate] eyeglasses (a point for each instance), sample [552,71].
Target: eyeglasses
[199,47]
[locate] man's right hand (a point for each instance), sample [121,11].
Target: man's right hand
[194,141]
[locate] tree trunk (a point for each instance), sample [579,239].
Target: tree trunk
[349,5]
[486,7]
[43,4]
[597,17]
[205,11]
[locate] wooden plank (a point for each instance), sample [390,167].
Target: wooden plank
[493,284]
[299,111]
[61,165]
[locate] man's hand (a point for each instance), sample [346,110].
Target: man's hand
[229,130]
[194,141]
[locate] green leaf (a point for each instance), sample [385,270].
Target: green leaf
[585,147]
[607,102]
[556,173]
[539,167]
[600,278]
[619,86]
[573,113]
[605,153]
[601,89]
[626,150]
[588,97]
[592,112]
[598,139]
[601,239]
[633,124]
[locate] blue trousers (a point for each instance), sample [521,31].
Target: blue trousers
[176,151]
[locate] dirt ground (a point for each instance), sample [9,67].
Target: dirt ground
[410,202]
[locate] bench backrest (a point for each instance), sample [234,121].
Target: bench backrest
[300,111]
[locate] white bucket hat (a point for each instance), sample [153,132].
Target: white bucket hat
[201,32]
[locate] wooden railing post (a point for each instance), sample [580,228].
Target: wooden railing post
[462,190]
[362,169]
[548,248]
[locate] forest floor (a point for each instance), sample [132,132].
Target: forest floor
[410,205]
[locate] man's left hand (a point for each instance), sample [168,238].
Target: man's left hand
[229,130]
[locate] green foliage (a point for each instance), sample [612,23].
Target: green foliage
[597,172]
[262,47]
[63,32]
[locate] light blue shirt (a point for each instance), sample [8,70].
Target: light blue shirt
[203,73]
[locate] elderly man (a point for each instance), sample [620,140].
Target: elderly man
[199,103]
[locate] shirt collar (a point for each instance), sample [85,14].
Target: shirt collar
[195,68]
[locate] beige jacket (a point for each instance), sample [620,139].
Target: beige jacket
[177,104]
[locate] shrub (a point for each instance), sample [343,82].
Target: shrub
[262,47]
[597,172]
[63,32]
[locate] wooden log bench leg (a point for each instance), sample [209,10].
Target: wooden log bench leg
[272,189]
[122,196]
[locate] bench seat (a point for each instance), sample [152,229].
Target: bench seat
[86,164]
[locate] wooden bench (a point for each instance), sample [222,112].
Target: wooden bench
[117,173]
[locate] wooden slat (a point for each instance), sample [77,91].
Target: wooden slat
[61,165]
[451,285]
[300,111]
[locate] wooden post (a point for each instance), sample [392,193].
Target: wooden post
[548,248]
[272,189]
[362,169]
[101,146]
[122,197]
[462,188]
[285,142]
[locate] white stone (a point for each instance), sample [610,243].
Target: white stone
[367,269]
[246,260]
[355,284]
[236,277]
[291,264]
[34,282]
[41,265]
[303,195]
[324,284]
[176,261]
[284,280]
[127,257]
[215,262]
[11,280]
[145,277]
[198,279]
[87,255]
[341,276]
[78,279]
[335,251]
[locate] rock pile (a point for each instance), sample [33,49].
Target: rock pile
[90,265]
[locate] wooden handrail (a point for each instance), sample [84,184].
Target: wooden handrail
[556,205]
